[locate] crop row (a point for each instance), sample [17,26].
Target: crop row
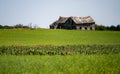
[59,50]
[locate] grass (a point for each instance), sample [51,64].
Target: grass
[83,52]
[75,64]
[57,37]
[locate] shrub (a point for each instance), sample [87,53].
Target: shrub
[59,50]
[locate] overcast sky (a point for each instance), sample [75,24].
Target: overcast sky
[44,12]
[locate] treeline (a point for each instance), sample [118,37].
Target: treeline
[110,28]
[13,27]
[97,27]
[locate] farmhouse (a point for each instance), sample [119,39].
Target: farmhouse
[80,23]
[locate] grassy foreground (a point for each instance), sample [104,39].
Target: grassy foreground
[57,37]
[75,64]
[62,52]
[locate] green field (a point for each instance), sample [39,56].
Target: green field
[74,64]
[45,51]
[57,37]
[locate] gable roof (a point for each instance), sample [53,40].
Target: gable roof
[77,20]
[80,20]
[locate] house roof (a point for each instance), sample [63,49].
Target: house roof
[77,20]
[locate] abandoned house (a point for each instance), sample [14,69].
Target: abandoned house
[80,23]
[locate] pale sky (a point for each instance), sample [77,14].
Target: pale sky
[44,12]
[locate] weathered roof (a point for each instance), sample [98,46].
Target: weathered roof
[77,20]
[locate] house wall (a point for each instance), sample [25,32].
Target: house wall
[85,27]
[93,28]
[51,27]
[69,24]
[78,27]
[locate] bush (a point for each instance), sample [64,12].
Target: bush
[59,50]
[110,28]
[100,27]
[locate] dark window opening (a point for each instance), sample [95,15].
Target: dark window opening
[85,28]
[90,28]
[80,27]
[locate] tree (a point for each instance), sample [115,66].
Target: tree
[7,27]
[118,27]
[19,26]
[1,27]
[113,28]
[100,27]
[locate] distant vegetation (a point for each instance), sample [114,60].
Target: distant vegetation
[13,27]
[109,28]
[19,26]
[97,27]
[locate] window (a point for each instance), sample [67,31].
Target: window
[80,28]
[90,28]
[85,28]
